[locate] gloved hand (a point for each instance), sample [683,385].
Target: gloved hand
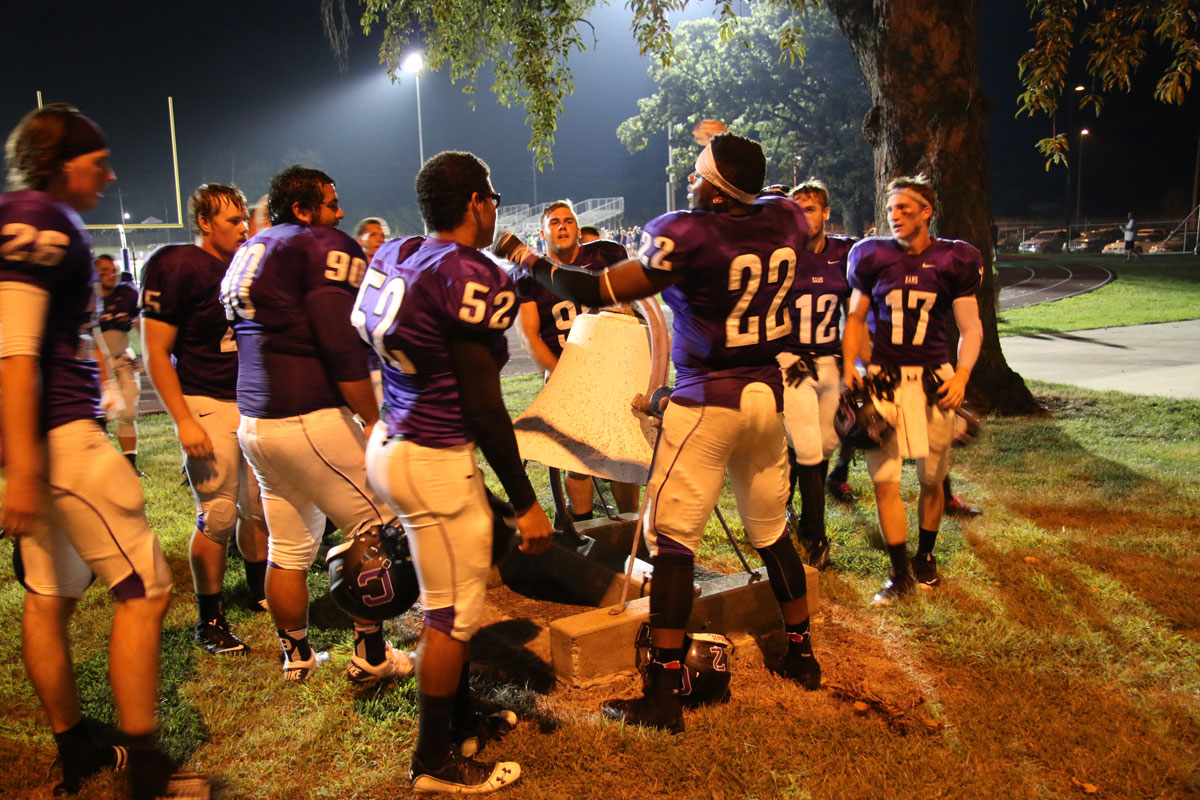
[509,246]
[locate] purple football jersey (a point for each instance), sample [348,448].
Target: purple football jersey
[732,303]
[181,286]
[119,309]
[44,244]
[912,296]
[289,292]
[417,294]
[555,314]
[822,290]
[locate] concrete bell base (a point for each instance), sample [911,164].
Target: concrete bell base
[597,646]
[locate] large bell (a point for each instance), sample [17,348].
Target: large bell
[584,419]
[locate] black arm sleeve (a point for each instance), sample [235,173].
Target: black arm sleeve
[571,283]
[478,377]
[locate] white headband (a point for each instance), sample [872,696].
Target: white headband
[910,194]
[706,167]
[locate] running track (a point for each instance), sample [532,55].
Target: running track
[1040,282]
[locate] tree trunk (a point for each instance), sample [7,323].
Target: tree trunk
[920,61]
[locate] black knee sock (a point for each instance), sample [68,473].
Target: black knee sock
[208,607]
[463,717]
[841,468]
[785,570]
[433,733]
[368,642]
[811,482]
[256,579]
[898,553]
[132,459]
[295,644]
[947,492]
[671,591]
[925,541]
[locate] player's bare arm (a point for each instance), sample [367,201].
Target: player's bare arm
[158,340]
[970,338]
[530,323]
[854,337]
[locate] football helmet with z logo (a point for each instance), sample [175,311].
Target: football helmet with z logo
[372,576]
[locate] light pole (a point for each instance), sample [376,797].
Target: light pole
[413,64]
[1079,178]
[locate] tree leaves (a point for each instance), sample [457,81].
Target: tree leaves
[1116,38]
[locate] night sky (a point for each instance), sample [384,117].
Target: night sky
[256,88]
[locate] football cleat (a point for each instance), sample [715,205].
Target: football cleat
[153,776]
[462,775]
[298,670]
[800,665]
[487,729]
[893,590]
[660,706]
[217,638]
[840,491]
[924,568]
[818,554]
[395,664]
[82,766]
[957,507]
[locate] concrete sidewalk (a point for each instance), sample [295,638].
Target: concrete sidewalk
[1161,359]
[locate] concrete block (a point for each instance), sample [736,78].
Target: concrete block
[590,573]
[597,646]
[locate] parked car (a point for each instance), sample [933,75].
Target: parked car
[1141,241]
[1092,241]
[1046,241]
[1172,244]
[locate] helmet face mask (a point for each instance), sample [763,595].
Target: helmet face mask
[858,421]
[706,664]
[372,576]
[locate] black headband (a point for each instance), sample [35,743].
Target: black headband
[82,135]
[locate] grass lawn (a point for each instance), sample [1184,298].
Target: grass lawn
[1148,289]
[1063,652]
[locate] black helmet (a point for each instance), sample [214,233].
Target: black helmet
[858,422]
[504,525]
[372,576]
[706,660]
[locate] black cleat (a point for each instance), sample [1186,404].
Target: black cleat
[462,775]
[893,590]
[925,572]
[217,638]
[153,776]
[818,553]
[82,766]
[957,507]
[800,666]
[660,706]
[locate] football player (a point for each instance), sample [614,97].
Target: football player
[812,384]
[546,319]
[257,219]
[910,283]
[191,357]
[371,232]
[726,268]
[302,376]
[120,309]
[70,501]
[436,309]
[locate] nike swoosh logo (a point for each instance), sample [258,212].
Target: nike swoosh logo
[832,262]
[207,414]
[927,266]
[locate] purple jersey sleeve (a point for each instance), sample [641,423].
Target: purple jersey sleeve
[43,243]
[821,290]
[119,309]
[732,296]
[912,296]
[418,294]
[181,286]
